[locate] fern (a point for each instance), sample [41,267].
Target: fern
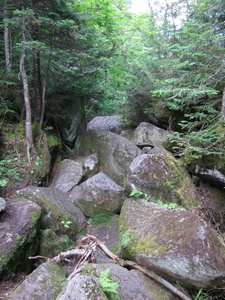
[108,286]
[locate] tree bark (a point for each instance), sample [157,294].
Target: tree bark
[29,135]
[37,85]
[8,62]
[223,106]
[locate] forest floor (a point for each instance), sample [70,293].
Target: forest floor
[9,283]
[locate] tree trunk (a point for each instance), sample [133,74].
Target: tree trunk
[29,135]
[7,41]
[37,85]
[223,106]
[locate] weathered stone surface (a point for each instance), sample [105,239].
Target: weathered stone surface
[177,244]
[67,174]
[76,121]
[98,194]
[150,135]
[83,287]
[2,204]
[115,152]
[162,178]
[108,123]
[213,176]
[106,228]
[90,165]
[132,284]
[56,208]
[43,283]
[19,223]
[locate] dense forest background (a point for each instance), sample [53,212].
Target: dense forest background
[166,65]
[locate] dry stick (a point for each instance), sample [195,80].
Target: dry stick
[158,279]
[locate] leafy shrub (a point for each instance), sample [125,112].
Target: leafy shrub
[7,171]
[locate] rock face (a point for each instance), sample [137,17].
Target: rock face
[161,177]
[83,287]
[177,244]
[68,173]
[42,284]
[132,284]
[2,204]
[108,123]
[149,134]
[56,208]
[19,223]
[214,177]
[115,152]
[98,194]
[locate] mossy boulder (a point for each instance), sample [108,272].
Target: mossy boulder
[19,224]
[44,283]
[57,209]
[163,178]
[115,153]
[131,284]
[109,123]
[177,244]
[98,194]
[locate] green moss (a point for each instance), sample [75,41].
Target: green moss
[100,219]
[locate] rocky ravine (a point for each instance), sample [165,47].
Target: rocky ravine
[91,194]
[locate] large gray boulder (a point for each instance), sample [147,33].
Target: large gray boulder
[83,287]
[42,284]
[147,134]
[115,152]
[19,224]
[163,178]
[56,208]
[98,194]
[213,176]
[108,123]
[67,174]
[132,284]
[176,244]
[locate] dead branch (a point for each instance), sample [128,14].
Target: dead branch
[157,278]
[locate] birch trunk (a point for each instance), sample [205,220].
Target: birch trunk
[29,135]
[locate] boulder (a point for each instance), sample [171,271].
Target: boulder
[132,284]
[19,224]
[108,123]
[147,134]
[98,194]
[176,244]
[213,176]
[42,284]
[83,287]
[2,204]
[163,178]
[57,208]
[67,174]
[115,152]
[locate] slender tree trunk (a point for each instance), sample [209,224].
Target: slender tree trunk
[37,85]
[29,135]
[223,106]
[7,41]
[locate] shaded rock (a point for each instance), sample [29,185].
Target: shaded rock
[90,165]
[214,177]
[162,177]
[176,244]
[98,194]
[67,174]
[43,283]
[115,152]
[108,123]
[147,134]
[52,244]
[76,118]
[83,287]
[2,204]
[19,224]
[132,284]
[56,208]
[106,228]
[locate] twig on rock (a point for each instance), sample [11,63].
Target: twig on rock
[158,279]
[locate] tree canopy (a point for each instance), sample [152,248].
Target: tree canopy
[167,63]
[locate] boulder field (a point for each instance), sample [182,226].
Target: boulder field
[160,228]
